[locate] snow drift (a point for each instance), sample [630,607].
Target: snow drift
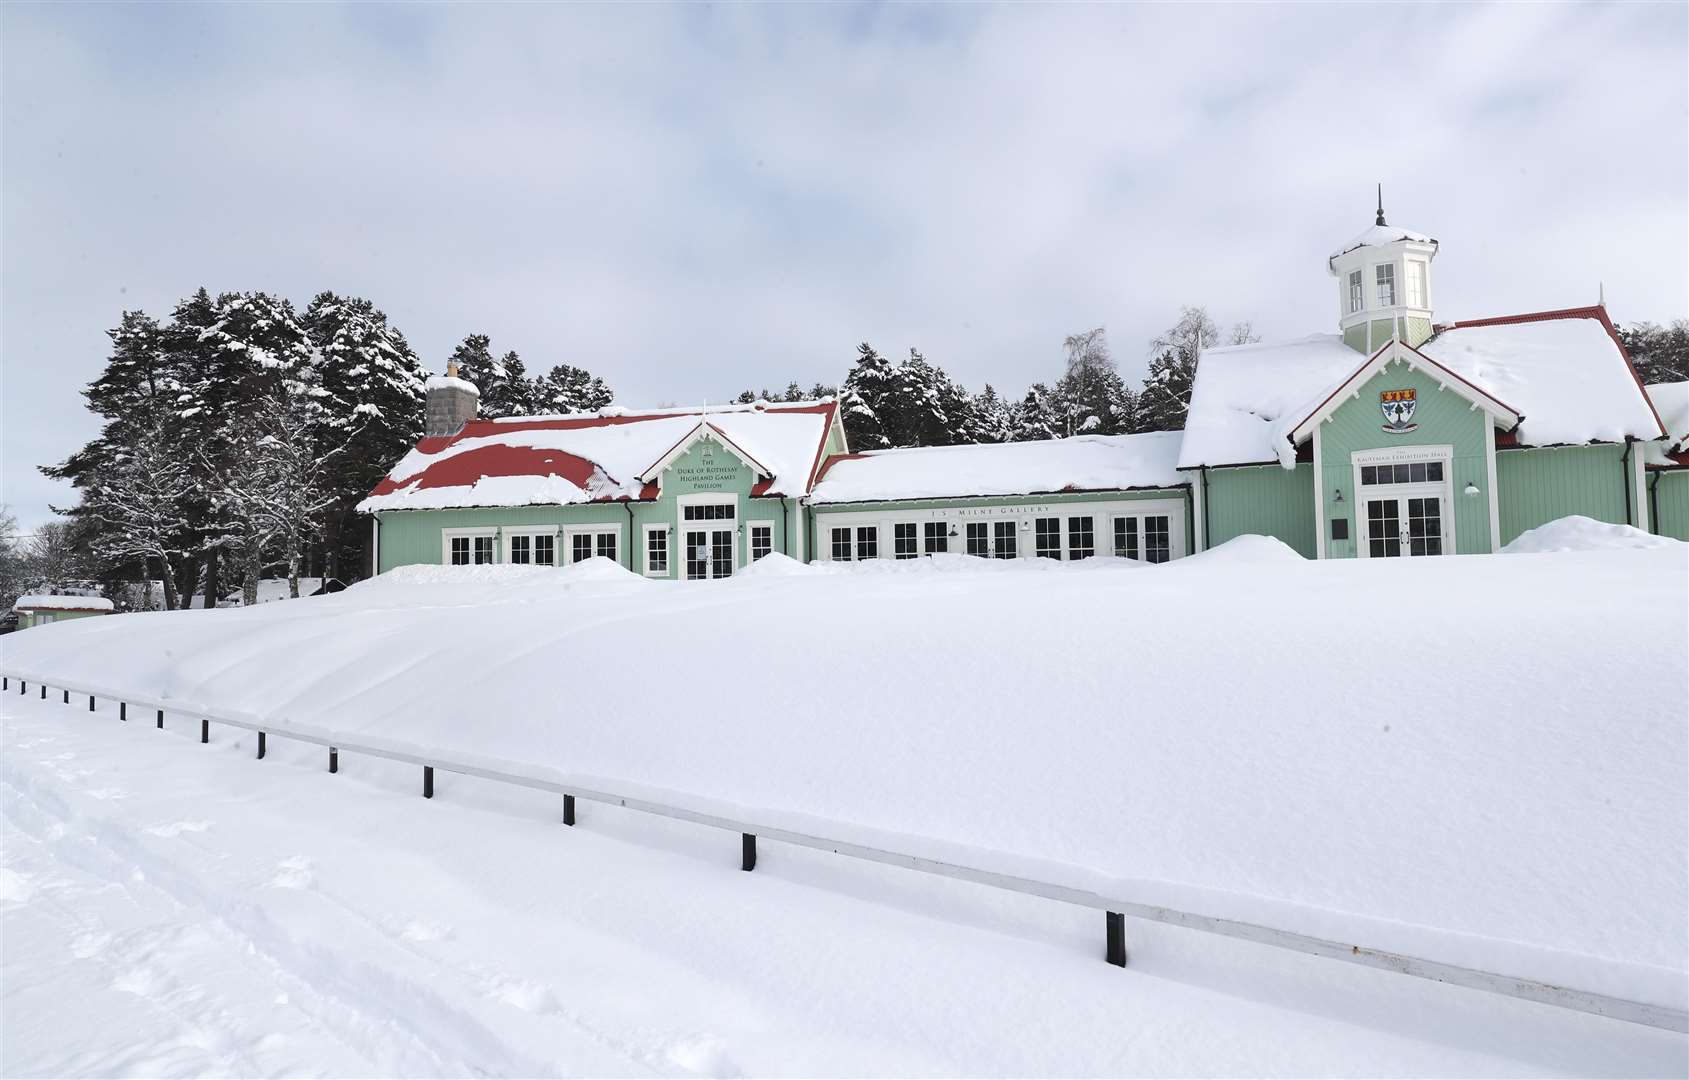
[1434,756]
[1579,533]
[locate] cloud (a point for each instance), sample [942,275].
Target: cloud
[694,200]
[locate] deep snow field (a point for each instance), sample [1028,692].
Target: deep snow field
[1478,760]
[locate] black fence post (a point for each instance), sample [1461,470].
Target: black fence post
[161,719]
[1117,939]
[90,702]
[260,746]
[43,691]
[5,682]
[568,809]
[123,710]
[747,851]
[333,760]
[67,697]
[428,781]
[204,730]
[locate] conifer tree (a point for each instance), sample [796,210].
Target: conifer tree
[569,389]
[866,388]
[992,422]
[1034,419]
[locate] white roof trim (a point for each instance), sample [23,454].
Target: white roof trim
[1397,351]
[703,430]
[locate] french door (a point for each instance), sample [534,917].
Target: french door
[1404,525]
[709,554]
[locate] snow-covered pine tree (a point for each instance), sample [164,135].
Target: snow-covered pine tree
[865,389]
[794,392]
[1165,398]
[374,390]
[1034,418]
[991,418]
[1090,398]
[135,505]
[1659,353]
[745,397]
[913,413]
[957,405]
[474,359]
[569,389]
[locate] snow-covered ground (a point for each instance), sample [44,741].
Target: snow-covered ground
[1479,760]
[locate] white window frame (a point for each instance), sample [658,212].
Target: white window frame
[1357,291]
[1177,543]
[1403,455]
[510,532]
[567,556]
[1418,271]
[1102,513]
[753,524]
[645,549]
[1377,284]
[448,535]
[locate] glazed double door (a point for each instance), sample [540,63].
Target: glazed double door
[1404,525]
[709,553]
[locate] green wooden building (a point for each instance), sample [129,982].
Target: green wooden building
[41,609]
[1393,436]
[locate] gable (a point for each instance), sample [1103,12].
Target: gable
[706,465]
[1440,415]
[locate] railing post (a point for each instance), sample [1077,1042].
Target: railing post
[260,746]
[568,809]
[428,781]
[43,691]
[161,719]
[123,710]
[5,682]
[67,697]
[90,702]
[204,730]
[333,760]
[1117,939]
[747,851]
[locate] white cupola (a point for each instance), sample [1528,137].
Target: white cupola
[1384,285]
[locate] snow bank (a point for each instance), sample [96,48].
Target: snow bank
[57,602]
[776,565]
[1247,550]
[1433,756]
[1579,533]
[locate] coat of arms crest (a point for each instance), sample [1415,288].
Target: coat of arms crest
[1398,408]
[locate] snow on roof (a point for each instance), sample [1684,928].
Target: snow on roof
[590,457]
[1081,463]
[1562,370]
[441,382]
[1671,401]
[1246,398]
[1378,235]
[57,602]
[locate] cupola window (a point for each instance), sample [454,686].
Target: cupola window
[1416,284]
[1357,293]
[1387,285]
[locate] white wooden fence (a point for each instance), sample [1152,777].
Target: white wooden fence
[1115,907]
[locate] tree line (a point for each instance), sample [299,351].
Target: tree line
[238,435]
[915,402]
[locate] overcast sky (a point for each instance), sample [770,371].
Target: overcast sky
[689,201]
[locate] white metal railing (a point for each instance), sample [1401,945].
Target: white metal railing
[1115,907]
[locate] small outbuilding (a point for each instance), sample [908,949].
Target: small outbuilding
[39,609]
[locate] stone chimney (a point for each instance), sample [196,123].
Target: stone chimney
[452,403]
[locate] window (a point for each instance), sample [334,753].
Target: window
[1046,538]
[460,551]
[44,617]
[1081,538]
[937,538]
[580,547]
[1126,537]
[1425,526]
[1357,292]
[867,541]
[657,551]
[521,549]
[903,544]
[1383,528]
[979,539]
[721,552]
[1416,284]
[1158,547]
[762,541]
[697,555]
[1386,285]
[1004,533]
[841,545]
[606,545]
[708,512]
[483,549]
[545,549]
[1413,472]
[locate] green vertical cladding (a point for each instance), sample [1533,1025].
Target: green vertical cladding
[1670,497]
[1418,331]
[410,537]
[1540,484]
[1411,329]
[33,618]
[1268,500]
[1355,338]
[1443,418]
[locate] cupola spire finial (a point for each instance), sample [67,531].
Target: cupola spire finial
[1380,204]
